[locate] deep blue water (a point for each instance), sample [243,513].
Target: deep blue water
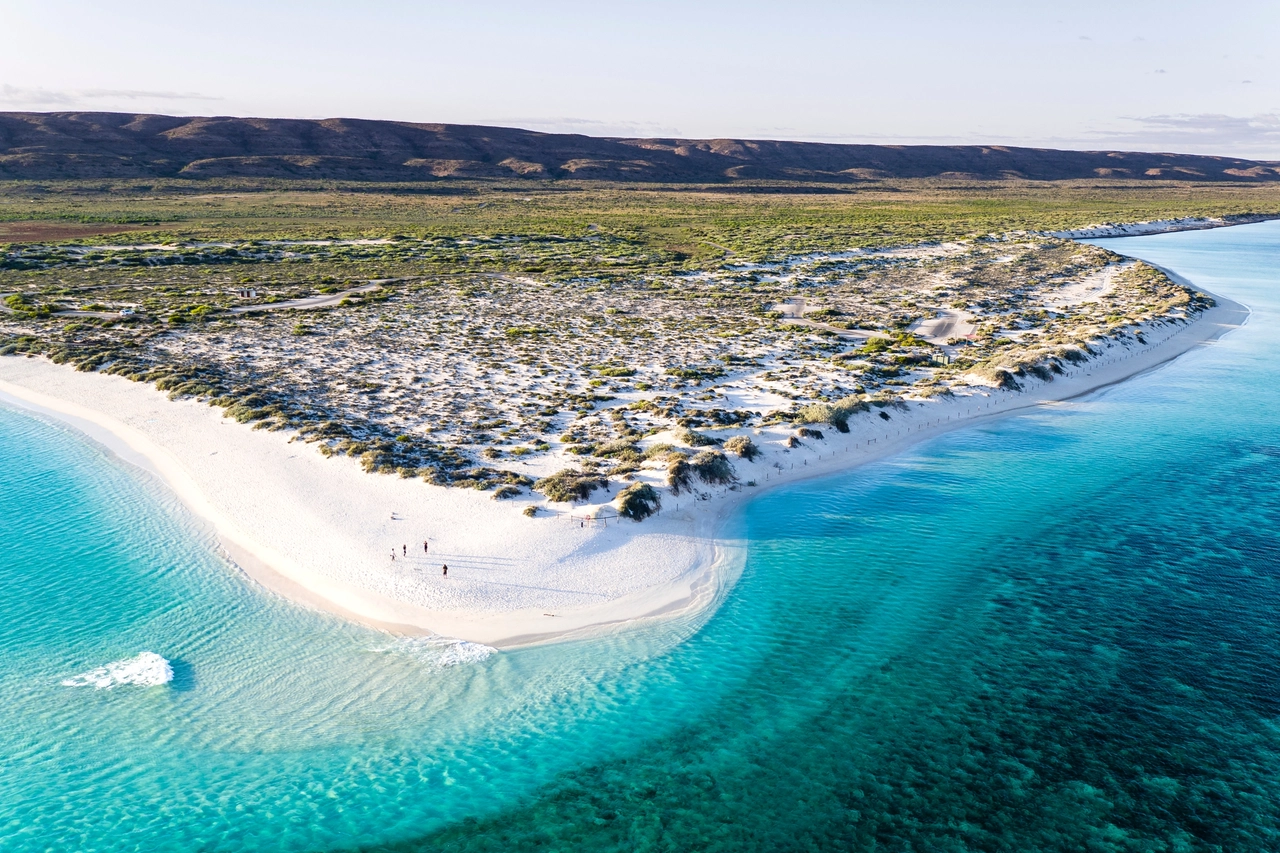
[1056,631]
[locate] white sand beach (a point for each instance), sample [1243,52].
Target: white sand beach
[321,531]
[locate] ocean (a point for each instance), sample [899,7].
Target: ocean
[1053,631]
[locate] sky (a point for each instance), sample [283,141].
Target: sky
[1193,77]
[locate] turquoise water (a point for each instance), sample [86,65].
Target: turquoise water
[1057,631]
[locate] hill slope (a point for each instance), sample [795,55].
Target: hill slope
[50,146]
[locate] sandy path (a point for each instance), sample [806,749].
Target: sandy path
[310,301]
[792,310]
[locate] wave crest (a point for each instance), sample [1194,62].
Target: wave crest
[439,652]
[147,670]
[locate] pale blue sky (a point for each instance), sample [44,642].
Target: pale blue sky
[1185,76]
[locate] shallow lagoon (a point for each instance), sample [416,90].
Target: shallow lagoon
[1052,631]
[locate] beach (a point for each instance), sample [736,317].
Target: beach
[323,532]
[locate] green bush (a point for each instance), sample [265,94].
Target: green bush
[660,449]
[679,474]
[568,486]
[618,447]
[712,467]
[638,501]
[743,447]
[694,439]
[837,414]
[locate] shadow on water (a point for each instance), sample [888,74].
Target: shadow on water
[184,676]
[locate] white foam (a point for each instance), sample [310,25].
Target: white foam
[147,670]
[439,652]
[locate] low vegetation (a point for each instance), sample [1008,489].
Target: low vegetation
[638,501]
[507,336]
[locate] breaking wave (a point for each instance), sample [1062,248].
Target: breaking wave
[440,652]
[147,670]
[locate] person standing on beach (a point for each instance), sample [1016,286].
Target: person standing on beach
[445,571]
[424,546]
[405,549]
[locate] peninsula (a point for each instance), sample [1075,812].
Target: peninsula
[559,390]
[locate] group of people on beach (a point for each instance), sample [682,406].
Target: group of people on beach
[404,552]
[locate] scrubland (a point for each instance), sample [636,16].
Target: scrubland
[524,336]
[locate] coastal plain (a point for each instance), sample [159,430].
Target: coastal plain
[560,394]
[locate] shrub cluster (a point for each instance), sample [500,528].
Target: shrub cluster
[712,467]
[638,501]
[569,486]
[837,414]
[743,447]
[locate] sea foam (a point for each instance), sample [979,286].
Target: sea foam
[440,652]
[147,670]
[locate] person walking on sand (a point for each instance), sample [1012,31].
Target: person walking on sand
[405,548]
[445,571]
[424,546]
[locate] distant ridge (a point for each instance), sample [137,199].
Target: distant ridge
[53,146]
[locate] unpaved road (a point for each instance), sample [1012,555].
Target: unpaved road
[310,302]
[793,312]
[293,304]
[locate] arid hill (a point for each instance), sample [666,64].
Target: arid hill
[51,146]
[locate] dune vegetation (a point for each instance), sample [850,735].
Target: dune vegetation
[507,335]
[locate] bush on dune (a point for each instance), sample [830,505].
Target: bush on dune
[837,414]
[694,439]
[743,447]
[638,501]
[679,474]
[712,467]
[568,486]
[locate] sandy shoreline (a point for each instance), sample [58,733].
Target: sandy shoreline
[321,531]
[1161,226]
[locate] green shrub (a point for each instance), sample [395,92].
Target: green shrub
[524,332]
[712,467]
[743,447]
[505,492]
[638,501]
[837,414]
[697,374]
[660,449]
[679,474]
[694,439]
[618,447]
[568,486]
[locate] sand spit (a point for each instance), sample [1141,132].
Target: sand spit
[1160,226]
[323,532]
